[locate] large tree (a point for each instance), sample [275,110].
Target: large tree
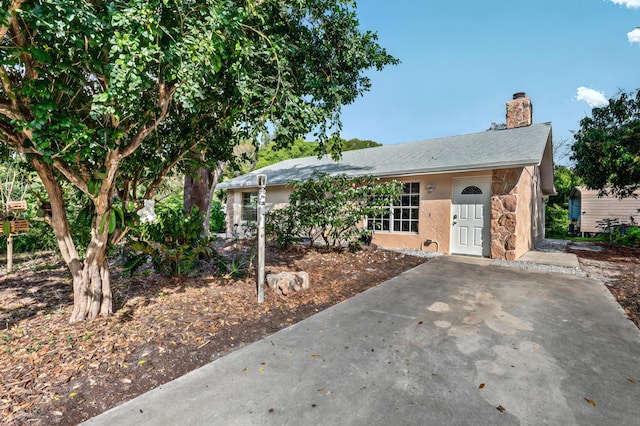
[111,95]
[606,148]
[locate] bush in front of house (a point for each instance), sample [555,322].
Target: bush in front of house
[173,242]
[629,237]
[330,209]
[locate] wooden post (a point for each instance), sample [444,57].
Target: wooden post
[9,254]
[262,197]
[15,226]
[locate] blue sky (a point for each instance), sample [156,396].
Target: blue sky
[462,60]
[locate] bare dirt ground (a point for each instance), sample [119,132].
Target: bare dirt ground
[618,267]
[53,372]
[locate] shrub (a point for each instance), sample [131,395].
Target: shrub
[217,221]
[629,237]
[172,242]
[557,221]
[329,209]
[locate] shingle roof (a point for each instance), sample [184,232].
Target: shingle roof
[491,149]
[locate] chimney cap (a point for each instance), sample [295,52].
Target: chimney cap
[518,95]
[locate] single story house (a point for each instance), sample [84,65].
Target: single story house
[477,194]
[587,210]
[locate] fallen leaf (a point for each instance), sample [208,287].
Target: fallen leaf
[501,408]
[315,356]
[631,380]
[591,401]
[245,369]
[321,390]
[481,386]
[73,394]
[261,368]
[142,361]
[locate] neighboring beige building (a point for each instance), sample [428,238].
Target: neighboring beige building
[587,209]
[479,194]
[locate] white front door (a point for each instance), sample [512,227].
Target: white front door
[470,216]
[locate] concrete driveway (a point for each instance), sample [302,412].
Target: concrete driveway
[455,341]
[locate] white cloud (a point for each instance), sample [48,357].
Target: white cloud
[634,36]
[592,97]
[631,4]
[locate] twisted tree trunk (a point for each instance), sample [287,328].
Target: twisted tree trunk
[91,276]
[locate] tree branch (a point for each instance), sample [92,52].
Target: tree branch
[8,110]
[165,96]
[152,189]
[14,5]
[71,176]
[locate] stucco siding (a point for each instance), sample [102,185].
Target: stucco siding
[530,211]
[277,197]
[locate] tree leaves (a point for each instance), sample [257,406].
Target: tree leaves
[110,96]
[330,208]
[607,146]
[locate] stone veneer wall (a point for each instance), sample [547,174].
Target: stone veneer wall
[504,216]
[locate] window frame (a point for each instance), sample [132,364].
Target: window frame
[249,206]
[402,216]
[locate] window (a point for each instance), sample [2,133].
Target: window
[403,213]
[472,190]
[250,206]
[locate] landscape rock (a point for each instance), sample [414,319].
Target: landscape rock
[287,282]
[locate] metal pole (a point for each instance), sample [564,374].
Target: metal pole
[262,197]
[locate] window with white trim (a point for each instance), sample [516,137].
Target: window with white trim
[250,206]
[402,215]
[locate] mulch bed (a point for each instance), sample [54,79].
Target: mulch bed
[54,372]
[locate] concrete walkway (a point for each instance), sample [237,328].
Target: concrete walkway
[455,341]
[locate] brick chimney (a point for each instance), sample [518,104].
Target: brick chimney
[519,111]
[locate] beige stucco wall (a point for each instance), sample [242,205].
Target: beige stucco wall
[530,211]
[435,211]
[433,223]
[435,215]
[277,197]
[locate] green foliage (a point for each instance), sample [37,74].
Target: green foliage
[557,208]
[329,209]
[240,261]
[565,179]
[173,242]
[610,227]
[271,153]
[557,221]
[18,181]
[629,237]
[607,146]
[353,144]
[218,215]
[283,228]
[110,96]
